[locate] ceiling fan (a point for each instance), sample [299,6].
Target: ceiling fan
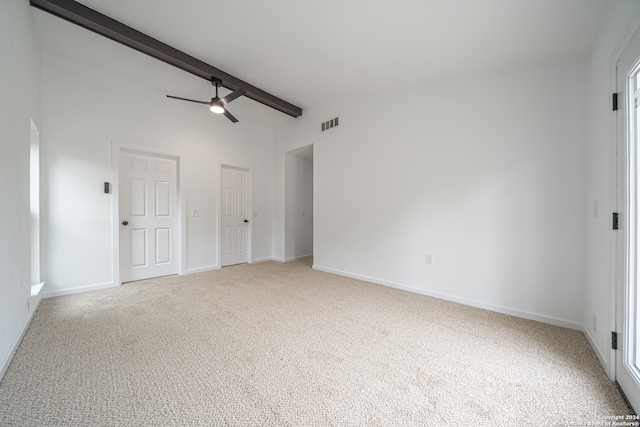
[217,105]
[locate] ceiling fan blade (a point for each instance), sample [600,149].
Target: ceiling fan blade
[215,100]
[233,95]
[230,116]
[190,100]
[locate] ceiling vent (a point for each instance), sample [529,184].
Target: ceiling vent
[330,124]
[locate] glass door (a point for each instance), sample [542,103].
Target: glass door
[628,298]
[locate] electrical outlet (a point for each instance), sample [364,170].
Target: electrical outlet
[428,259]
[595,323]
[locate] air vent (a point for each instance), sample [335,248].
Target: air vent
[330,124]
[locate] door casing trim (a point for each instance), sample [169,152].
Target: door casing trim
[118,147]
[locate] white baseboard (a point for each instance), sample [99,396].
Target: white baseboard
[217,267]
[6,361]
[604,361]
[557,321]
[202,269]
[80,289]
[290,259]
[264,259]
[296,258]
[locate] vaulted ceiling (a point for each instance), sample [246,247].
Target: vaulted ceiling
[317,53]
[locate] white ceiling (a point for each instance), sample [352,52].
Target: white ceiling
[314,53]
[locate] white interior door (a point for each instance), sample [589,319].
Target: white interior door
[628,295]
[235,216]
[148,216]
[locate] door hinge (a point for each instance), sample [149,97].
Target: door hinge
[614,340]
[614,101]
[614,221]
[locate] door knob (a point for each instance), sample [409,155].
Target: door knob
[246,220]
[125,222]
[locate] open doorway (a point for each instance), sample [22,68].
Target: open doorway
[299,203]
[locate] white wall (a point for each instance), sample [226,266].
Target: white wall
[600,249]
[299,206]
[19,103]
[84,110]
[484,173]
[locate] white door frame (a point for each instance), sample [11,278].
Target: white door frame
[118,147]
[249,170]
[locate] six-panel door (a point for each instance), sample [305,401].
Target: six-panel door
[235,216]
[148,216]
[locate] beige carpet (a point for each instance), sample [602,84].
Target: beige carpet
[282,344]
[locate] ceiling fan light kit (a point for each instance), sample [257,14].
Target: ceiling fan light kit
[216,109]
[217,105]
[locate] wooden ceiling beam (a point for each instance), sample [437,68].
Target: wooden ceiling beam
[90,19]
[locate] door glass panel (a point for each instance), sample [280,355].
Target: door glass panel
[628,357]
[633,115]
